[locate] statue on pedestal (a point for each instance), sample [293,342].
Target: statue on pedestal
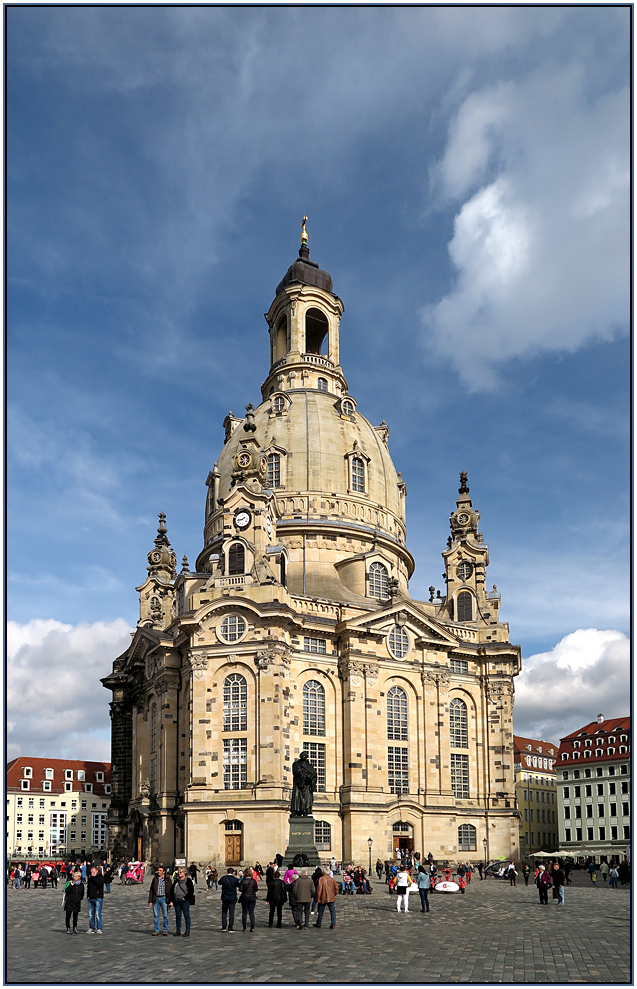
[304,786]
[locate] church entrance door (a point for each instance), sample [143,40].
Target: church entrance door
[233,849]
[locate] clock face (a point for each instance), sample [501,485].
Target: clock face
[242,518]
[268,524]
[463,518]
[464,571]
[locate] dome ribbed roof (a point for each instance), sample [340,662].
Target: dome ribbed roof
[306,272]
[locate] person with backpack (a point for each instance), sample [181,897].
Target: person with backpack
[72,901]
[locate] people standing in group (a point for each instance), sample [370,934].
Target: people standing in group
[95,900]
[72,901]
[276,897]
[423,881]
[182,897]
[248,888]
[159,897]
[348,881]
[403,882]
[326,893]
[289,879]
[229,884]
[558,883]
[303,891]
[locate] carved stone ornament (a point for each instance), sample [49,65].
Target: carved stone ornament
[352,670]
[276,653]
[197,665]
[431,678]
[167,682]
[496,691]
[371,673]
[144,789]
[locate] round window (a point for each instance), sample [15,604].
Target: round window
[398,642]
[464,570]
[347,408]
[232,628]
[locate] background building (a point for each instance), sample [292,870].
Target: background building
[593,782]
[535,793]
[295,630]
[57,807]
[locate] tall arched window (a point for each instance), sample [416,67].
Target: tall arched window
[458,723]
[313,708]
[316,327]
[464,607]
[466,838]
[274,470]
[236,559]
[358,474]
[235,703]
[397,714]
[153,728]
[377,581]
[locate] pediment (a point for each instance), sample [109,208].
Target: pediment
[401,613]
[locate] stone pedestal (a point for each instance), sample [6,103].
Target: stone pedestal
[301,842]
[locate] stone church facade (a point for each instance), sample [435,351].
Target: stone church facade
[295,630]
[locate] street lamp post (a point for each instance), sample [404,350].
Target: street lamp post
[369,845]
[484,845]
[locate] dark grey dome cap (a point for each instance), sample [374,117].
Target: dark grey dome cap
[307,272]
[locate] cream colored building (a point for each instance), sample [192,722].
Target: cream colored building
[295,629]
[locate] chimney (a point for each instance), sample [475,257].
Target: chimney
[600,719]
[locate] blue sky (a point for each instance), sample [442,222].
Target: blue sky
[465,172]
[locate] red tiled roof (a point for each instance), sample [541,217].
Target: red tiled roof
[593,728]
[592,731]
[38,765]
[538,745]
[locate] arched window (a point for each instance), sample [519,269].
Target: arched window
[377,581]
[235,703]
[316,328]
[153,728]
[322,836]
[283,573]
[313,708]
[398,642]
[236,559]
[281,342]
[322,384]
[278,404]
[466,838]
[274,470]
[458,723]
[357,469]
[397,714]
[464,607]
[347,408]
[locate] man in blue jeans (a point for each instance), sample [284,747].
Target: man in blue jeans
[95,897]
[326,893]
[159,898]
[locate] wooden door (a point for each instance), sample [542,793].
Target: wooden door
[233,849]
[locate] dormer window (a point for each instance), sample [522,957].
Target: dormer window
[623,738]
[347,407]
[81,775]
[610,751]
[278,403]
[46,785]
[99,776]
[48,774]
[599,752]
[588,742]
[274,470]
[357,475]
[27,772]
[576,745]
[68,774]
[377,581]
[611,740]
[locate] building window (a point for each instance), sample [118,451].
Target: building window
[316,755]
[236,560]
[232,628]
[322,836]
[613,810]
[377,581]
[46,785]
[347,408]
[460,775]
[458,666]
[565,774]
[624,786]
[322,384]
[397,769]
[589,834]
[610,751]
[313,708]
[625,810]
[599,752]
[466,838]
[398,642]
[235,763]
[99,777]
[235,704]
[602,834]
[622,749]
[464,607]
[278,403]
[397,714]
[622,769]
[274,470]
[458,724]
[153,728]
[567,834]
[357,469]
[626,831]
[48,774]
[611,770]
[313,645]
[107,788]
[20,801]
[68,787]
[27,772]
[567,813]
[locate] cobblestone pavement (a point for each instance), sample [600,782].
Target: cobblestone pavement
[494,933]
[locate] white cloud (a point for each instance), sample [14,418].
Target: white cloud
[541,238]
[585,674]
[56,704]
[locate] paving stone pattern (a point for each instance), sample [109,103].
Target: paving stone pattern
[495,933]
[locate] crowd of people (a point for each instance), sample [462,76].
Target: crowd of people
[27,875]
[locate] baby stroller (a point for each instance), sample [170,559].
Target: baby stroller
[134,874]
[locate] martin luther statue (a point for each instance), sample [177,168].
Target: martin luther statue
[304,786]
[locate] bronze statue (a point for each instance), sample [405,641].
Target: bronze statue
[304,787]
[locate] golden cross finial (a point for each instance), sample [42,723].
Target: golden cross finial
[304,231]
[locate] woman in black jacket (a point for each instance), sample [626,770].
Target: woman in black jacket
[73,896]
[276,898]
[248,889]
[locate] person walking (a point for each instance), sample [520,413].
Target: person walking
[303,891]
[423,881]
[603,869]
[27,877]
[526,872]
[513,875]
[248,888]
[72,901]
[591,869]
[229,884]
[53,875]
[214,878]
[543,882]
[613,876]
[182,897]
[159,897]
[326,893]
[558,883]
[95,900]
[480,868]
[193,872]
[277,896]
[317,875]
[403,880]
[379,869]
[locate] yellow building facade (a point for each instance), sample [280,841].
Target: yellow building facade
[295,630]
